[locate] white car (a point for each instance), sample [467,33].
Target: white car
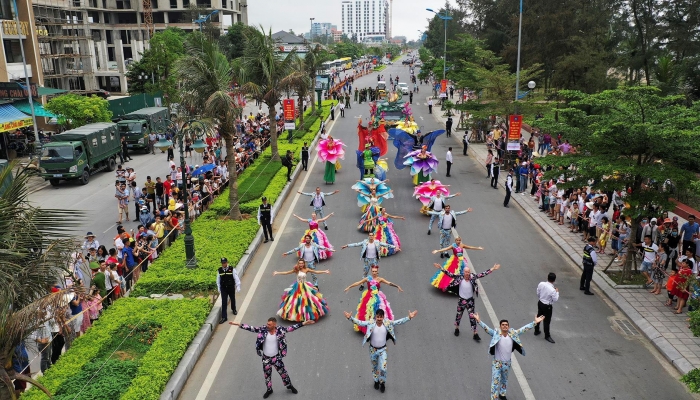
[404,87]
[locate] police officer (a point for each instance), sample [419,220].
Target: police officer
[590,259]
[265,219]
[228,283]
[448,126]
[305,156]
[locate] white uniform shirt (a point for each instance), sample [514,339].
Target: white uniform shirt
[546,293]
[371,251]
[448,157]
[378,337]
[270,346]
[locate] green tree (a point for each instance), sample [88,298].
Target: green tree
[233,42]
[34,252]
[75,111]
[313,61]
[206,78]
[266,75]
[158,62]
[632,137]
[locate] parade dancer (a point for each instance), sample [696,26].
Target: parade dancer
[502,344]
[371,209]
[372,299]
[384,232]
[456,264]
[378,331]
[271,345]
[318,201]
[302,301]
[331,152]
[447,219]
[317,235]
[467,290]
[437,203]
[426,191]
[422,163]
[370,252]
[309,252]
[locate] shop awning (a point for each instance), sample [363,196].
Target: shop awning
[39,110]
[11,118]
[47,91]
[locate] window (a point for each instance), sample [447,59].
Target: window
[185,3]
[123,4]
[108,34]
[126,36]
[127,53]
[154,3]
[13,53]
[173,3]
[111,54]
[106,17]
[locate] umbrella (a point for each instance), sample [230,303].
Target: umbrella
[203,169]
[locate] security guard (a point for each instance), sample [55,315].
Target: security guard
[305,156]
[265,219]
[590,259]
[228,283]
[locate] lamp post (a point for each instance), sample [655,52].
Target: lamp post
[202,19]
[196,130]
[311,30]
[143,77]
[531,85]
[517,68]
[444,51]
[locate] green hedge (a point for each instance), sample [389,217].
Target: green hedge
[120,377]
[692,380]
[380,68]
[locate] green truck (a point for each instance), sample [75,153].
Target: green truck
[79,153]
[136,126]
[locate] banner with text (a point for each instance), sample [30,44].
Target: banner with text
[515,124]
[288,107]
[443,88]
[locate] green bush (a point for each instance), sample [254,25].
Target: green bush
[178,322]
[380,68]
[692,380]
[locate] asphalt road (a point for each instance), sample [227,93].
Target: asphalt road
[592,358]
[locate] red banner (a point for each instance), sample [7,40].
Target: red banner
[514,125]
[289,113]
[443,86]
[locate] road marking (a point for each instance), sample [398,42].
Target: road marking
[421,117]
[110,228]
[223,350]
[515,366]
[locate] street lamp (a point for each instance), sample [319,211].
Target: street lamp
[517,68]
[311,30]
[444,52]
[143,77]
[202,19]
[196,130]
[531,85]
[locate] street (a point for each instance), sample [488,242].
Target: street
[593,358]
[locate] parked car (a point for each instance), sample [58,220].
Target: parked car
[404,87]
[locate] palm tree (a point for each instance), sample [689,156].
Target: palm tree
[303,87]
[265,74]
[207,77]
[313,61]
[34,249]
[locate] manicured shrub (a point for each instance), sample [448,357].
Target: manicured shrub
[692,380]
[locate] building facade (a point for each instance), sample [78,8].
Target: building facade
[87,45]
[366,20]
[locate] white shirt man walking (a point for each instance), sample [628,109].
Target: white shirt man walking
[547,295]
[448,159]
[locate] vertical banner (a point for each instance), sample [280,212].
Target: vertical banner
[288,108]
[515,123]
[443,88]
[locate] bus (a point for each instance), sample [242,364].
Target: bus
[345,63]
[328,67]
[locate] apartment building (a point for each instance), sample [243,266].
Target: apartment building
[367,20]
[87,45]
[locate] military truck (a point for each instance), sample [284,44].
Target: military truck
[136,126]
[79,153]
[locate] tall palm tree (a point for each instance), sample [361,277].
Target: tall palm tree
[313,61]
[303,87]
[34,249]
[207,77]
[267,75]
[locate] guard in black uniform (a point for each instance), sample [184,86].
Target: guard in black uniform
[265,219]
[590,259]
[304,156]
[228,283]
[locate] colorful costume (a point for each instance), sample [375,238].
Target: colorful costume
[378,357]
[384,232]
[422,164]
[454,265]
[369,261]
[330,151]
[467,303]
[446,231]
[365,187]
[426,191]
[302,301]
[372,300]
[371,210]
[319,237]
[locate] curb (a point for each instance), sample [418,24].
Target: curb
[188,361]
[608,287]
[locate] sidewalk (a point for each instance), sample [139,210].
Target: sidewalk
[668,332]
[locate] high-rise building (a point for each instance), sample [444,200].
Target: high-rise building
[321,28]
[86,45]
[366,20]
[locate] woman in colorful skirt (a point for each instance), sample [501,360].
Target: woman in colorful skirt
[317,236]
[330,151]
[422,163]
[384,232]
[455,264]
[368,221]
[427,190]
[302,301]
[372,299]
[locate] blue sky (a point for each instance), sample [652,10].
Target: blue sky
[409,15]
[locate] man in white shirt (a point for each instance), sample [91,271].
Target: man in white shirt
[342,109]
[547,295]
[448,160]
[370,252]
[437,203]
[649,251]
[509,187]
[318,201]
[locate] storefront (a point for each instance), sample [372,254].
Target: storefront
[13,127]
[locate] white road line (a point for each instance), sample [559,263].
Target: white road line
[421,117]
[223,350]
[110,228]
[515,366]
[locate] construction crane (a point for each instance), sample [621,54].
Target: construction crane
[148,17]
